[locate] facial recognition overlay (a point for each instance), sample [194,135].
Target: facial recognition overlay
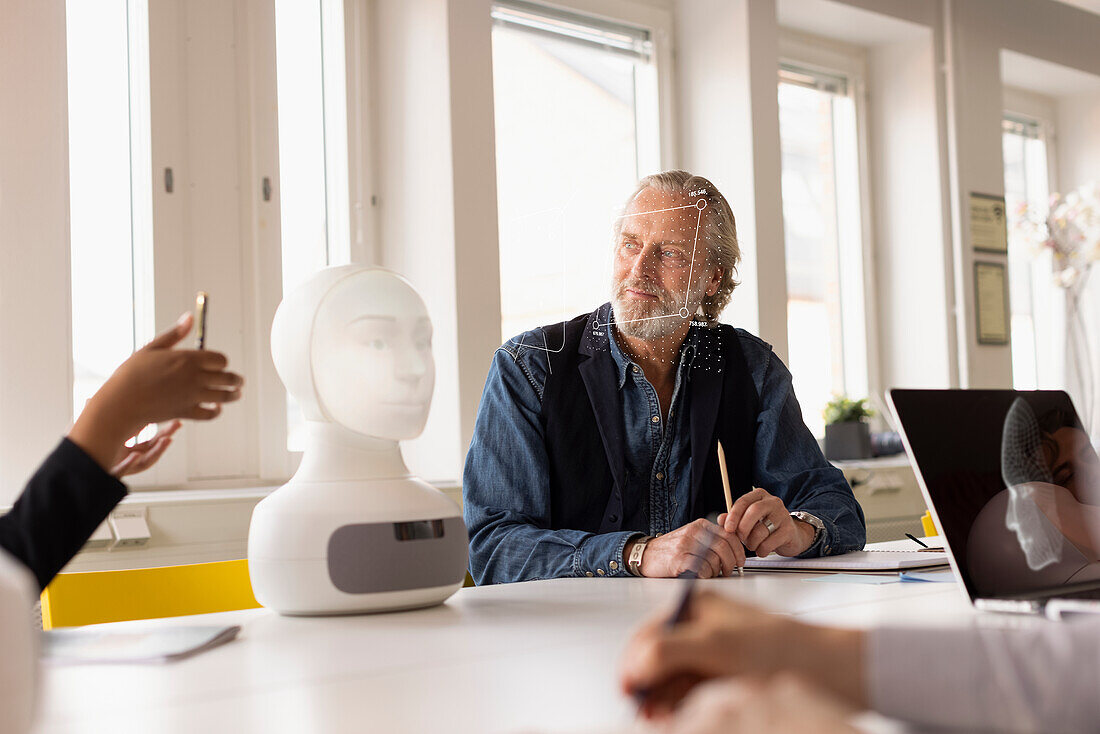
[1015,483]
[653,259]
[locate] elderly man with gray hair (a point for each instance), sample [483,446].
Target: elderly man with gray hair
[595,451]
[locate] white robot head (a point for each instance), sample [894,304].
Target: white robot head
[353,345]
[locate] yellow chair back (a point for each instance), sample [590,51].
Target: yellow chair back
[92,597]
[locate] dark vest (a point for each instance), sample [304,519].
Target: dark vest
[582,419]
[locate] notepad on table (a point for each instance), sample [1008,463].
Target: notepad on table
[894,555]
[95,644]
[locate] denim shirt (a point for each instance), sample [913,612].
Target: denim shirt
[658,455]
[506,478]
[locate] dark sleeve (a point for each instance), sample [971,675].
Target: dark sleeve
[790,465]
[506,488]
[61,506]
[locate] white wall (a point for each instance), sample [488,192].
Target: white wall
[911,252]
[967,39]
[727,61]
[978,30]
[437,205]
[1078,140]
[34,238]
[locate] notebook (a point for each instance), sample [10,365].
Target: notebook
[891,556]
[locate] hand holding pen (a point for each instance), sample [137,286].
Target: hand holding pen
[721,637]
[709,533]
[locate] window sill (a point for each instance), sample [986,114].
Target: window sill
[192,525]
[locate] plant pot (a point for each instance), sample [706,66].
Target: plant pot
[847,441]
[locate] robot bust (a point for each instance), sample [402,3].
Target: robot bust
[353,531]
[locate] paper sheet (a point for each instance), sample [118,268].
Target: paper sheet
[95,644]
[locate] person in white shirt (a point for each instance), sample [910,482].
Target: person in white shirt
[773,673]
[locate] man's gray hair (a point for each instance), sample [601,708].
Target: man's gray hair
[721,229]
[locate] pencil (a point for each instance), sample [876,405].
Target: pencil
[726,489]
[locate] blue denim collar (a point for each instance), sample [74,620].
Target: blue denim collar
[688,350]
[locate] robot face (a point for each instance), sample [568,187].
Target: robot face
[372,356]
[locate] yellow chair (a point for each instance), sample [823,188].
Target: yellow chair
[92,597]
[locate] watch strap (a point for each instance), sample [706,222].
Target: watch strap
[813,520]
[634,561]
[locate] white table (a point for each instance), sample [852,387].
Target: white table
[537,656]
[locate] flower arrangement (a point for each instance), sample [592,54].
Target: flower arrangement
[1071,230]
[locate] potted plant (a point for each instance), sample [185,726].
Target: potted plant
[847,435]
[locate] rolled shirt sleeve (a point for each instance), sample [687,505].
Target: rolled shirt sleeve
[789,464]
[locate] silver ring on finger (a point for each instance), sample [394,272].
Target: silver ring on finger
[769,525]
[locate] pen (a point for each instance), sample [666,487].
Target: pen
[726,489]
[678,616]
[200,307]
[927,548]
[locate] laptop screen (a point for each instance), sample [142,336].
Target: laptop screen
[1013,483]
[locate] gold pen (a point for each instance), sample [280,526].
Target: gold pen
[726,489]
[201,301]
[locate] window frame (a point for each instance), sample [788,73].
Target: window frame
[597,34]
[179,260]
[1026,107]
[1031,107]
[832,58]
[659,22]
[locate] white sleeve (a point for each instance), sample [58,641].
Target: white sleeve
[1036,676]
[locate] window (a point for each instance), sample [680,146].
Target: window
[313,149]
[209,225]
[576,126]
[109,179]
[1032,293]
[822,222]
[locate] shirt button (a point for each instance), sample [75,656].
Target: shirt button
[660,475]
[656,419]
[588,574]
[637,369]
[613,565]
[599,571]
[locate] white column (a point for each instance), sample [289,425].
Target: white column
[35,300]
[437,205]
[728,65]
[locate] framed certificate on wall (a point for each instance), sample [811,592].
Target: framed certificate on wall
[988,223]
[991,302]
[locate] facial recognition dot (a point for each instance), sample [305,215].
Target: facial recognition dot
[683,313]
[701,204]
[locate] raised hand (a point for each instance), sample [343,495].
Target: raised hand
[157,383]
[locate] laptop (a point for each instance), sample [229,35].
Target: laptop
[1013,484]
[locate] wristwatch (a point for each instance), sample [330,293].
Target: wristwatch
[819,527]
[634,562]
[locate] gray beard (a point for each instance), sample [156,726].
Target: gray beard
[638,322]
